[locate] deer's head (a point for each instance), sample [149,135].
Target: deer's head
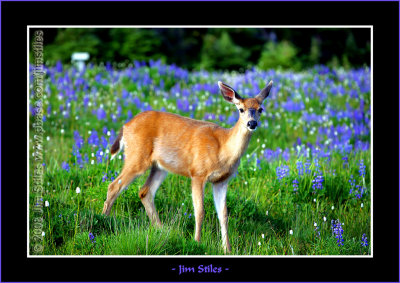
[250,109]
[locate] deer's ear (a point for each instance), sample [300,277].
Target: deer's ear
[264,92]
[229,93]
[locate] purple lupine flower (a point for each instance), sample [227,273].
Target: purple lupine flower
[112,136]
[105,130]
[130,115]
[119,110]
[299,166]
[317,182]
[352,182]
[97,78]
[209,101]
[65,166]
[286,154]
[183,105]
[359,192]
[137,102]
[258,162]
[104,178]
[364,241]
[86,158]
[337,231]
[103,142]
[291,106]
[307,165]
[361,170]
[86,99]
[78,140]
[91,237]
[125,94]
[78,156]
[282,171]
[59,67]
[94,138]
[209,116]
[232,119]
[101,114]
[295,185]
[99,155]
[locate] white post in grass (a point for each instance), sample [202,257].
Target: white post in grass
[79,58]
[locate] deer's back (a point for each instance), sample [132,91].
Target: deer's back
[178,144]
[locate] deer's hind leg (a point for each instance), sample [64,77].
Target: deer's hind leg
[148,192]
[135,165]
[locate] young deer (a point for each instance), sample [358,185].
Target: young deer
[202,151]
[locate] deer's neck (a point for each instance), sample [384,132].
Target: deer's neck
[237,142]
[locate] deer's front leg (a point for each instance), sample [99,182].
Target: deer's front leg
[198,204]
[219,192]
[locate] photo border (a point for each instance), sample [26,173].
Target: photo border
[384,265]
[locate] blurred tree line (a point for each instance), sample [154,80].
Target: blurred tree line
[214,48]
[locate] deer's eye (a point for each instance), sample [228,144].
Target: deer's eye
[241,110]
[260,110]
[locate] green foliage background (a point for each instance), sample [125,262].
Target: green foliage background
[214,48]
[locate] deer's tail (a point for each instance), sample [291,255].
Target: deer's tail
[118,144]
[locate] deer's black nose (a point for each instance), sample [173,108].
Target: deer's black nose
[252,124]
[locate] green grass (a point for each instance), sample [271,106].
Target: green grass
[250,195]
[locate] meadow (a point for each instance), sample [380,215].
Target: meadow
[303,186]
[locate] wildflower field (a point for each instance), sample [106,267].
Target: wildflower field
[303,186]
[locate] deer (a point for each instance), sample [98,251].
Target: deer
[200,150]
